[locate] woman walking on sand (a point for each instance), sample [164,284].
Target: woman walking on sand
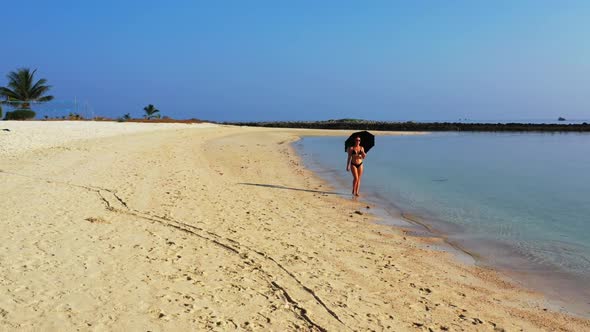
[354,163]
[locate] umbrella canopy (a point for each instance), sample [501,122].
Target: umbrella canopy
[367,140]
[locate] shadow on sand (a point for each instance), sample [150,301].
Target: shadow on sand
[274,186]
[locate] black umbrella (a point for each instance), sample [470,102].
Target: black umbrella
[367,140]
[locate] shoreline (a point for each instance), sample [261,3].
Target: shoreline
[222,228]
[436,234]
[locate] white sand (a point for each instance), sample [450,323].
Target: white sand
[29,135]
[218,229]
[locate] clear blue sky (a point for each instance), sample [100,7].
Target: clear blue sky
[307,60]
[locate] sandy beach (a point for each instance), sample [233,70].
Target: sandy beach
[182,227]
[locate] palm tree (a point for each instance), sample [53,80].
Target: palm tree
[150,112]
[22,89]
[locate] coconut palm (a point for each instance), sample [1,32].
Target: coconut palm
[150,112]
[22,89]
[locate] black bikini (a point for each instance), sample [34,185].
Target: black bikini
[353,164]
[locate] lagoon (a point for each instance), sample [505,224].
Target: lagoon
[518,202]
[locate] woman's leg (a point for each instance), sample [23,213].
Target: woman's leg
[355,177]
[360,170]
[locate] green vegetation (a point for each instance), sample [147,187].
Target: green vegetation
[126,117]
[150,112]
[22,90]
[20,114]
[355,124]
[75,116]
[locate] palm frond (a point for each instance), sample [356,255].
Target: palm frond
[150,111]
[45,99]
[8,93]
[39,83]
[38,91]
[21,87]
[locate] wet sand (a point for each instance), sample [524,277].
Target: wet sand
[221,228]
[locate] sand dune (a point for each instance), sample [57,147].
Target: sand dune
[201,227]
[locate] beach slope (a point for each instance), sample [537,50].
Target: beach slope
[202,227]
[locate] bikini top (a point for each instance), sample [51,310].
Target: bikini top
[354,152]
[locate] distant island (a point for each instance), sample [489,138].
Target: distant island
[359,124]
[560,119]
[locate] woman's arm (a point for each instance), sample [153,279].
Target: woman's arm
[363,154]
[348,161]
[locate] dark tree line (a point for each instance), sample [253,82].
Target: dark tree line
[422,126]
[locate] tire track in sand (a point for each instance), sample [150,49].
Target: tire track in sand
[259,260]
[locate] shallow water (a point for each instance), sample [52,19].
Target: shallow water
[519,201]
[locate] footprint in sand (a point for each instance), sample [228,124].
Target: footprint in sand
[97,220]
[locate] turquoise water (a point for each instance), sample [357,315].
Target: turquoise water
[519,201]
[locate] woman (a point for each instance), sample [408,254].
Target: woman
[354,163]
